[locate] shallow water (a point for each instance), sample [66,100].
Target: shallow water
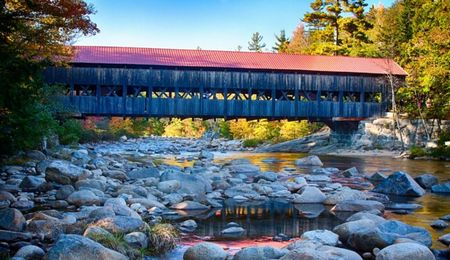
[271,218]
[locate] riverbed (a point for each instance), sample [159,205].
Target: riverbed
[265,220]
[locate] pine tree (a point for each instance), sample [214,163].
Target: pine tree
[282,43]
[255,44]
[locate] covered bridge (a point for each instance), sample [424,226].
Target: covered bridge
[151,82]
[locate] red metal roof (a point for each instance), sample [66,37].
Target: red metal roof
[234,59]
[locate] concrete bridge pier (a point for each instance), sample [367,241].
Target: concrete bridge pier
[342,131]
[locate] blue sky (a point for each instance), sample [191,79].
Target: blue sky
[186,24]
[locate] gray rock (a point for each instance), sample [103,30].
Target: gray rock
[348,228]
[190,183]
[116,174]
[96,233]
[81,248]
[144,173]
[358,205]
[188,226]
[311,160]
[366,215]
[441,188]
[136,239]
[23,204]
[64,192]
[233,232]
[30,252]
[439,224]
[64,172]
[91,184]
[49,228]
[242,166]
[351,172]
[446,217]
[7,196]
[401,184]
[377,177]
[148,203]
[12,219]
[317,178]
[445,239]
[259,252]
[405,251]
[170,186]
[36,155]
[319,252]
[83,198]
[13,236]
[206,155]
[245,190]
[310,195]
[324,237]
[189,205]
[403,206]
[102,212]
[268,176]
[31,183]
[426,181]
[120,224]
[205,251]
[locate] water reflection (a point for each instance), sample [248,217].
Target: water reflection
[275,217]
[268,218]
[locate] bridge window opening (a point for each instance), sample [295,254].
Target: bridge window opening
[262,95]
[331,96]
[85,90]
[161,93]
[373,97]
[285,95]
[306,96]
[351,97]
[112,91]
[139,92]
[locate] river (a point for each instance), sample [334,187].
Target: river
[265,220]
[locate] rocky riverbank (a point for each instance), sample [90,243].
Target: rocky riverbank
[103,201]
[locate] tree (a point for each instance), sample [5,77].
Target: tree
[255,44]
[282,43]
[33,34]
[299,42]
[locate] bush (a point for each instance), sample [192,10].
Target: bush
[417,152]
[162,238]
[70,132]
[251,143]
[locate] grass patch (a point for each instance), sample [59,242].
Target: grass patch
[162,237]
[117,243]
[250,143]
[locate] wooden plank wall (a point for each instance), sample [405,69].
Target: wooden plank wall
[223,82]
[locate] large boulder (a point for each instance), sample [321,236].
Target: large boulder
[310,194]
[358,205]
[324,237]
[169,186]
[242,166]
[401,184]
[144,173]
[12,219]
[64,172]
[84,198]
[30,252]
[405,251]
[320,252]
[441,188]
[311,160]
[205,251]
[189,183]
[77,247]
[190,205]
[344,194]
[259,252]
[268,176]
[120,224]
[245,190]
[233,232]
[32,183]
[426,180]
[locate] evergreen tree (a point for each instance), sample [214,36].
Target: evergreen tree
[256,44]
[299,41]
[282,43]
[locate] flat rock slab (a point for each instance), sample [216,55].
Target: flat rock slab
[358,205]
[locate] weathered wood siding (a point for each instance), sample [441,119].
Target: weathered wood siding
[279,94]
